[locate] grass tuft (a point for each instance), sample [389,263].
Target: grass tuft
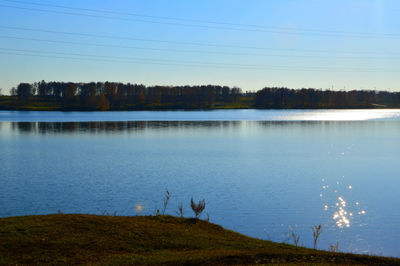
[197,208]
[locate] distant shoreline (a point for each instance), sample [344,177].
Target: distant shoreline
[105,96]
[12,103]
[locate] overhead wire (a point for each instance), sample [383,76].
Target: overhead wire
[190,51]
[277,31]
[253,28]
[204,21]
[150,21]
[202,44]
[93,57]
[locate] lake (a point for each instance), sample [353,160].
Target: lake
[261,172]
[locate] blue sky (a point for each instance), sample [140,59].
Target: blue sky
[250,44]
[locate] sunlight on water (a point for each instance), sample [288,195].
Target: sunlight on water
[344,115]
[342,211]
[215,115]
[340,216]
[139,208]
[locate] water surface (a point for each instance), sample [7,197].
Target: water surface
[214,115]
[258,176]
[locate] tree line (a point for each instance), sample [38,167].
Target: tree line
[120,96]
[284,98]
[112,95]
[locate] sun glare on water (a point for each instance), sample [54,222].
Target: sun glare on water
[139,208]
[345,115]
[341,210]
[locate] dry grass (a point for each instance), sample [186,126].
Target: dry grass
[197,208]
[317,230]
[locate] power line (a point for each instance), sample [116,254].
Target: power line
[147,21]
[201,21]
[135,62]
[92,57]
[155,17]
[190,51]
[290,32]
[130,58]
[138,15]
[113,37]
[110,60]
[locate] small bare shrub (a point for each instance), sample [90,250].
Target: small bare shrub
[208,217]
[106,213]
[180,210]
[197,208]
[167,196]
[268,237]
[295,236]
[334,248]
[317,230]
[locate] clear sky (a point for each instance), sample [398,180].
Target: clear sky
[344,44]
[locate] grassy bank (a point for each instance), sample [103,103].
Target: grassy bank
[90,239]
[12,103]
[36,104]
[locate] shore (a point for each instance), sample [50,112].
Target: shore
[117,240]
[12,103]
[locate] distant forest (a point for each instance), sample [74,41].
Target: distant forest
[119,96]
[279,98]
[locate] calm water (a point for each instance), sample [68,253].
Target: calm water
[260,172]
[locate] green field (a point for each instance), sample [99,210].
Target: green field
[104,240]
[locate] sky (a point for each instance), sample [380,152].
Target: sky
[330,44]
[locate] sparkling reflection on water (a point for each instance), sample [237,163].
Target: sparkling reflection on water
[261,178]
[343,212]
[216,115]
